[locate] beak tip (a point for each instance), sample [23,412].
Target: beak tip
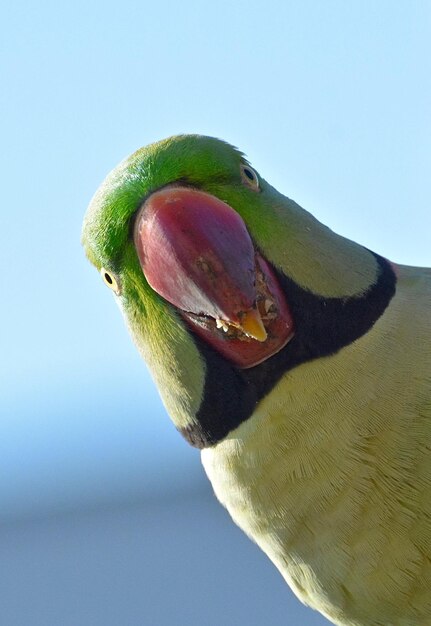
[252,325]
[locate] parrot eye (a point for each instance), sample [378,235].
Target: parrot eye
[249,177]
[110,280]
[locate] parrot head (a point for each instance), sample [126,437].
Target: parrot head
[225,284]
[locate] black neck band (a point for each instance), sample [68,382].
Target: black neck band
[322,327]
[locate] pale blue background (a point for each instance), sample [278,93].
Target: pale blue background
[331,102]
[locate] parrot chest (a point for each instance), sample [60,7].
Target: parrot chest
[290,493]
[328,478]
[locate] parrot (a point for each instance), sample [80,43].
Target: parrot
[296,360]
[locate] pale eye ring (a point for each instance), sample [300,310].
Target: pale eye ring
[249,177]
[110,280]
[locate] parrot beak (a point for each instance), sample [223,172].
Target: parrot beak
[196,252]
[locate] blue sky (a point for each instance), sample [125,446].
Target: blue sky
[330,101]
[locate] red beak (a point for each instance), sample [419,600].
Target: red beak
[196,252]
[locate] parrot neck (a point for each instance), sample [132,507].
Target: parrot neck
[324,325]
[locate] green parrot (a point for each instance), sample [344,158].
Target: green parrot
[298,361]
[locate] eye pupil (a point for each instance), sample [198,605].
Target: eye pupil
[111,280]
[249,177]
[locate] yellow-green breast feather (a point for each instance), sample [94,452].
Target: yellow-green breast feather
[331,476]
